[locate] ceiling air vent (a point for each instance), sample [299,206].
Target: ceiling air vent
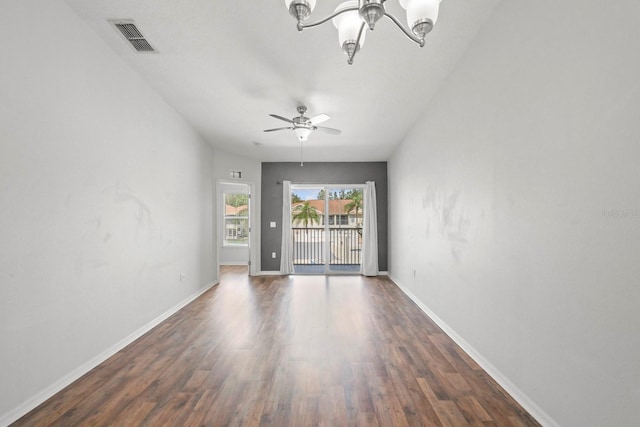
[129,31]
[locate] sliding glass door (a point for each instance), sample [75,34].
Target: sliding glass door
[345,229]
[307,230]
[326,228]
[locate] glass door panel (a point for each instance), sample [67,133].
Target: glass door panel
[307,230]
[345,213]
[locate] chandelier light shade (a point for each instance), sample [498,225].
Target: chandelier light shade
[421,15]
[349,27]
[352,18]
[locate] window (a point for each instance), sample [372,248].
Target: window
[338,220]
[236,219]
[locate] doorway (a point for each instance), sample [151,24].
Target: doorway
[326,228]
[234,229]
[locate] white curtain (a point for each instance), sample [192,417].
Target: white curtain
[286,251]
[369,266]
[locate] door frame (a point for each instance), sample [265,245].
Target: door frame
[220,223]
[327,248]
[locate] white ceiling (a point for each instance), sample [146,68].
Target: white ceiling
[224,65]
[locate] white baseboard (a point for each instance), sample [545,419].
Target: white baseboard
[269,273]
[529,405]
[234,263]
[63,382]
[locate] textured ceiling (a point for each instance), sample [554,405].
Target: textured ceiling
[224,65]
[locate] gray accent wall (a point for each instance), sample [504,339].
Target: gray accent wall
[316,173]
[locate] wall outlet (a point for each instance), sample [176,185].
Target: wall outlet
[273,255]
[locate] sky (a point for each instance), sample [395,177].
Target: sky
[307,194]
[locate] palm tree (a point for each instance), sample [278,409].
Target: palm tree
[355,204]
[305,213]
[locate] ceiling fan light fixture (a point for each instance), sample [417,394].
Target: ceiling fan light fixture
[300,9]
[348,25]
[302,126]
[421,15]
[302,133]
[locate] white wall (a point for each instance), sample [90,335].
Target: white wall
[105,199]
[501,201]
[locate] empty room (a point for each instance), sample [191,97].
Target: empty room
[319,213]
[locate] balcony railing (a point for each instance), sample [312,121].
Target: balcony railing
[309,246]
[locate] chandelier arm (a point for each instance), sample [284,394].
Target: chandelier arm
[404,30]
[302,25]
[350,60]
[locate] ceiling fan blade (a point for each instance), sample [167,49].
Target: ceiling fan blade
[271,130]
[320,118]
[332,131]
[281,118]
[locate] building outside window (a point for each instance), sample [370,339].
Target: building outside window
[236,219]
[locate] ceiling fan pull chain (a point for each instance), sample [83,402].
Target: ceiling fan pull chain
[301,159]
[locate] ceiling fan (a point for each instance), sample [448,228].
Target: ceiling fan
[302,126]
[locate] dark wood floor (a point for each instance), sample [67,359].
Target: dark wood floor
[288,351]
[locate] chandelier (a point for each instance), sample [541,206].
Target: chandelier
[351,18]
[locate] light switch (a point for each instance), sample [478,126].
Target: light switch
[273,255]
[272,224]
